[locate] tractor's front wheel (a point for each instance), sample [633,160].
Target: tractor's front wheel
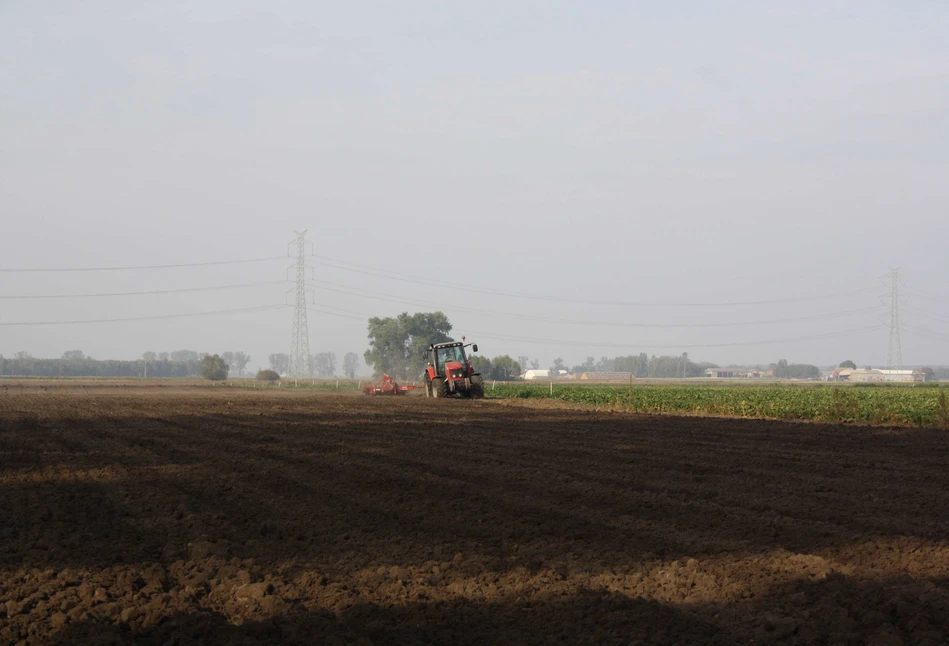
[477,387]
[428,388]
[440,388]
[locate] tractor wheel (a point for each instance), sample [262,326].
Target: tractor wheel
[477,387]
[428,388]
[440,388]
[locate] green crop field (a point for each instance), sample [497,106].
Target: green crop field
[903,405]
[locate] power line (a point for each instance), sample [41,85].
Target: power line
[359,316]
[489,335]
[338,313]
[409,278]
[928,316]
[529,317]
[145,318]
[144,293]
[926,295]
[132,267]
[927,333]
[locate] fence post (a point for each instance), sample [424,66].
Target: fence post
[551,387]
[494,385]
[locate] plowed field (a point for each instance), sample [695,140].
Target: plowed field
[200,515]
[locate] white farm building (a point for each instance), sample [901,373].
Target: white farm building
[871,375]
[537,374]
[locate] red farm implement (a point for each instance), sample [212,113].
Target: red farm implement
[387,386]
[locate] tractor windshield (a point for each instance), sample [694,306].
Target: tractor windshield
[451,353]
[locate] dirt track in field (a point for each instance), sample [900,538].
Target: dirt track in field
[179,516]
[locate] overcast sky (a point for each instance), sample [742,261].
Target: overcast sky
[598,157]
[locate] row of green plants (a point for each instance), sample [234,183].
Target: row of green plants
[924,407]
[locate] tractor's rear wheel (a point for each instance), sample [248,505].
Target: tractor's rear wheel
[477,387]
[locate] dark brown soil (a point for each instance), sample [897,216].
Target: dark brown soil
[215,515]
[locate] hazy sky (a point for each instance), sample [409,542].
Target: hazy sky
[620,152]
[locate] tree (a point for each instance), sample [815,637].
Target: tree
[535,364]
[213,367]
[280,363]
[236,361]
[150,357]
[785,370]
[504,368]
[185,356]
[399,346]
[73,355]
[605,364]
[350,364]
[482,365]
[323,364]
[847,364]
[928,373]
[424,329]
[240,362]
[557,367]
[267,375]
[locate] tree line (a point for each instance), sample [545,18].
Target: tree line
[74,363]
[321,364]
[640,365]
[179,363]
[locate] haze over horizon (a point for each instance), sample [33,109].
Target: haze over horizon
[537,161]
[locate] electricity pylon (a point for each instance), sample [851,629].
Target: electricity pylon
[300,332]
[894,356]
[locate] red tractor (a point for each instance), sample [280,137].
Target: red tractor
[450,373]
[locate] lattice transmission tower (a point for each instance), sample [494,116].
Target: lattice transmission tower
[300,331]
[894,356]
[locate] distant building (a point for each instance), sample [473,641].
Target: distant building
[733,373]
[607,376]
[903,375]
[868,375]
[857,375]
[537,374]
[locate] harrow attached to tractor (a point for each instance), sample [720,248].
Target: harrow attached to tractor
[387,386]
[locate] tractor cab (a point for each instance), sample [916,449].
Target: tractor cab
[449,356]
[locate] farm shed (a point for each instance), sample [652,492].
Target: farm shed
[607,376]
[536,374]
[723,373]
[863,375]
[733,373]
[859,375]
[902,375]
